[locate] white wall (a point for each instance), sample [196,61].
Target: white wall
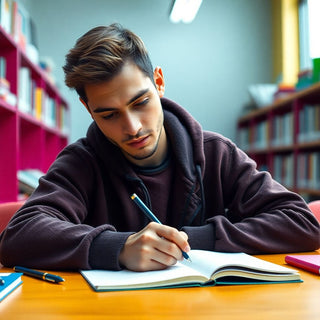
[207,64]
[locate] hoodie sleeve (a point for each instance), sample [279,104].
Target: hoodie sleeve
[248,211]
[53,229]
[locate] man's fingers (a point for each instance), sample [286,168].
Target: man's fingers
[179,238]
[165,250]
[153,248]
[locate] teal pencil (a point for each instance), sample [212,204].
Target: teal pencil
[151,216]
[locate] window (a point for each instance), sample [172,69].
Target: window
[309,28]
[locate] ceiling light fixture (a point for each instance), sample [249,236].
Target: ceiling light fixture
[184,10]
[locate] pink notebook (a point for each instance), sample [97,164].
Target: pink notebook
[308,262]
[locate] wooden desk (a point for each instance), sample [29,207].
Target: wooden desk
[74,299]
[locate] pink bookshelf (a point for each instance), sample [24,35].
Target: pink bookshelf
[29,138]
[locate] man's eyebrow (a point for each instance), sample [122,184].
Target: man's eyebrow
[137,96]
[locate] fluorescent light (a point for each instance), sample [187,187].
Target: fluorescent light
[184,10]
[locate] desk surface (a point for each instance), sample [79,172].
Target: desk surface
[74,299]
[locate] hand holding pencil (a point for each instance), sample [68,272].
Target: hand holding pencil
[155,247]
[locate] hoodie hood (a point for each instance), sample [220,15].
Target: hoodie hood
[184,132]
[186,135]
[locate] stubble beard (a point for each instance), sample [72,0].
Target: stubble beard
[148,155]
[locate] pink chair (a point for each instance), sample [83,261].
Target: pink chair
[314,206]
[7,210]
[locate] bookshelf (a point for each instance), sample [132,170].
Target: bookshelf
[284,138]
[33,117]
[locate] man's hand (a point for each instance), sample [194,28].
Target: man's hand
[155,247]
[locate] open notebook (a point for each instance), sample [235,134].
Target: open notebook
[206,268]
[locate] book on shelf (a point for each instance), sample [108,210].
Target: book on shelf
[38,102]
[308,172]
[5,93]
[25,90]
[3,67]
[63,119]
[284,91]
[4,83]
[29,180]
[16,21]
[49,111]
[246,138]
[11,282]
[282,134]
[261,135]
[4,88]
[283,169]
[5,14]
[20,24]
[309,123]
[207,268]
[32,50]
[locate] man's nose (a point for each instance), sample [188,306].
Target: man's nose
[131,123]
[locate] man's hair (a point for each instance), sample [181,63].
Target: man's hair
[100,54]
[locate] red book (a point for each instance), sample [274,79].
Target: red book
[308,262]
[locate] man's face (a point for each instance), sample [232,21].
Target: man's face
[127,109]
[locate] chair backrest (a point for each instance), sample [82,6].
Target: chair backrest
[314,206]
[7,210]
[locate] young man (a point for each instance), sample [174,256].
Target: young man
[206,192]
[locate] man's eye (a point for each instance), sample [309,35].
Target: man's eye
[142,102]
[108,116]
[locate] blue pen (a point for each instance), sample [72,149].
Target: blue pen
[38,274]
[151,216]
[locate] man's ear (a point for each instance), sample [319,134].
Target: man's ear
[86,105]
[159,81]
